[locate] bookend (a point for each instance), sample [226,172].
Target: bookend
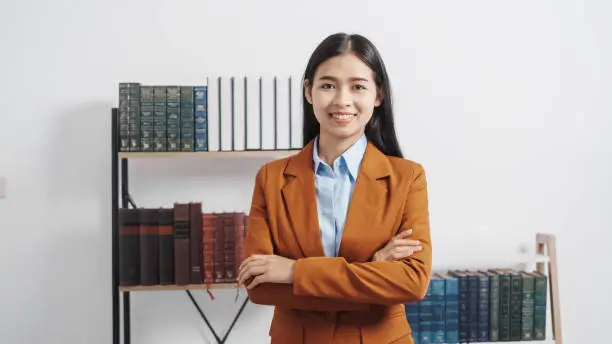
[127,201]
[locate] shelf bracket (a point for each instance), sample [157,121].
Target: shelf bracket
[229,330]
[129,199]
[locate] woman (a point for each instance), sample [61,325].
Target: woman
[324,224]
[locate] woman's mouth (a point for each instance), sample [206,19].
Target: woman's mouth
[342,117]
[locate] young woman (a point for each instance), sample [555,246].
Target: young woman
[326,238]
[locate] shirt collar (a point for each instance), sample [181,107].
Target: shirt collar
[352,156]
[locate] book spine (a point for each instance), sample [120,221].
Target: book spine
[229,248]
[472,302]
[187,119]
[195,241]
[182,261]
[540,297]
[208,246]
[494,308]
[527,306]
[412,315]
[201,118]
[452,310]
[240,221]
[173,115]
[219,244]
[516,293]
[437,298]
[166,246]
[129,111]
[149,247]
[159,119]
[129,251]
[483,308]
[425,316]
[464,328]
[146,118]
[504,307]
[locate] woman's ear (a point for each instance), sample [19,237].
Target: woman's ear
[308,91]
[379,98]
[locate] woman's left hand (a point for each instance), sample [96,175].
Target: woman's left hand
[265,269]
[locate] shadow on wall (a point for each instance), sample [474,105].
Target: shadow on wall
[77,190]
[79,160]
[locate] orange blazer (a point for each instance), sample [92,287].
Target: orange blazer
[345,299]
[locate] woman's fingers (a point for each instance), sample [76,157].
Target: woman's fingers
[405,242]
[252,268]
[402,252]
[404,234]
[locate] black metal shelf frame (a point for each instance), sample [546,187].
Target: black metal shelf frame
[120,188]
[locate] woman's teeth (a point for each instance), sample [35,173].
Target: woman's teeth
[342,116]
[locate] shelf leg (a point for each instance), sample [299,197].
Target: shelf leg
[244,303]
[126,318]
[115,229]
[219,339]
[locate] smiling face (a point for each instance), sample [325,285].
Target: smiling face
[343,95]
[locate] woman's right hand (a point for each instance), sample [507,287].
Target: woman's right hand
[399,247]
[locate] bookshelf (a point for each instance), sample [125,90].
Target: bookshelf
[544,259]
[121,198]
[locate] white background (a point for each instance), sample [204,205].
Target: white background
[505,103]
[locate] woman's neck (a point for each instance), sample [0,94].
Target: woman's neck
[330,148]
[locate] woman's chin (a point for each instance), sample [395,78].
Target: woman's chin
[344,133]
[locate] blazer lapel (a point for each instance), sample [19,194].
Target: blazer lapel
[367,203]
[299,196]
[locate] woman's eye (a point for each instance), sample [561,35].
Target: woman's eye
[359,87]
[327,86]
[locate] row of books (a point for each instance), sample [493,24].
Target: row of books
[179,245]
[230,114]
[464,306]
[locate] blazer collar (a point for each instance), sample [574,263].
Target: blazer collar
[374,165]
[370,194]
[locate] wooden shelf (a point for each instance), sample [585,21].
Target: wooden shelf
[178,287]
[233,154]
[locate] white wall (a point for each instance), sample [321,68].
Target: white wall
[507,105]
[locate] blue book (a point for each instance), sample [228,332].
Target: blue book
[464,311]
[412,314]
[483,306]
[451,308]
[425,318]
[201,118]
[437,298]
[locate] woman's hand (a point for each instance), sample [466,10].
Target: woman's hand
[265,269]
[398,248]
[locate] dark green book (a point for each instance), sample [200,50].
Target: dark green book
[159,119]
[173,115]
[146,118]
[493,305]
[528,306]
[516,305]
[540,298]
[187,119]
[129,116]
[504,304]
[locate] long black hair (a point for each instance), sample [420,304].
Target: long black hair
[380,130]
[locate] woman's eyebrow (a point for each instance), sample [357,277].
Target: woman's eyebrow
[333,78]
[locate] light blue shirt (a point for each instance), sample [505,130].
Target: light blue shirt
[334,189]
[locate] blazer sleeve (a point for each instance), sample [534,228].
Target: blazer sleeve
[259,241]
[387,282]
